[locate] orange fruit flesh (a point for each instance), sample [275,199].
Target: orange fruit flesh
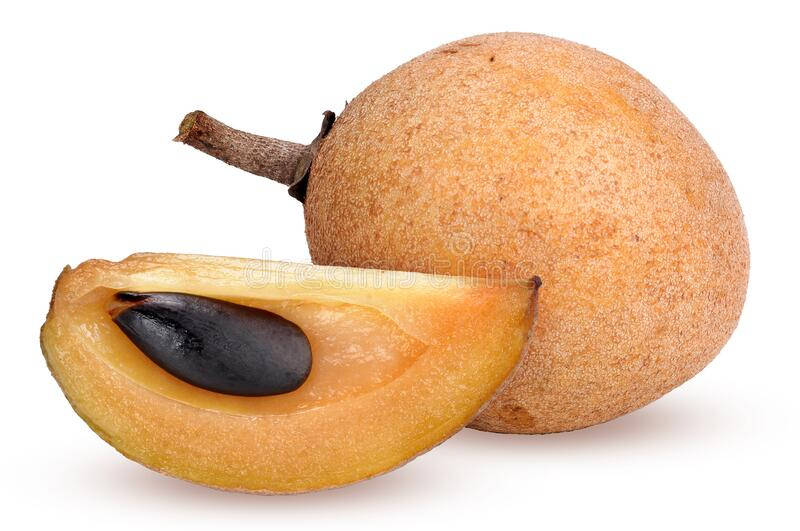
[400,362]
[355,349]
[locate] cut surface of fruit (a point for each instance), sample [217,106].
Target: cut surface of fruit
[400,362]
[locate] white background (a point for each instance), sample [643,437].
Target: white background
[92,95]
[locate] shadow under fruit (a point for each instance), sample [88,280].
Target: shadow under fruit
[520,154]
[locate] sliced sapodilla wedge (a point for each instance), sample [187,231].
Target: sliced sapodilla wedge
[272,377]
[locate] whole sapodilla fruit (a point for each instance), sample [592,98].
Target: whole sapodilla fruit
[520,154]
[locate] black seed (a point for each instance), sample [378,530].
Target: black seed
[214,344]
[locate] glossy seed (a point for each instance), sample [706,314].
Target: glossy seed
[216,345]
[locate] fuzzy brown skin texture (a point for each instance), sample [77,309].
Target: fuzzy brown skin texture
[523,154]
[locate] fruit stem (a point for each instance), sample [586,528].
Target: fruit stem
[268,157]
[285,162]
[537,283]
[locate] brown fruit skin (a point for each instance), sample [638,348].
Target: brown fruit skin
[527,154]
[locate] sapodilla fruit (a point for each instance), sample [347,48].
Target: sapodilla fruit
[400,362]
[515,154]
